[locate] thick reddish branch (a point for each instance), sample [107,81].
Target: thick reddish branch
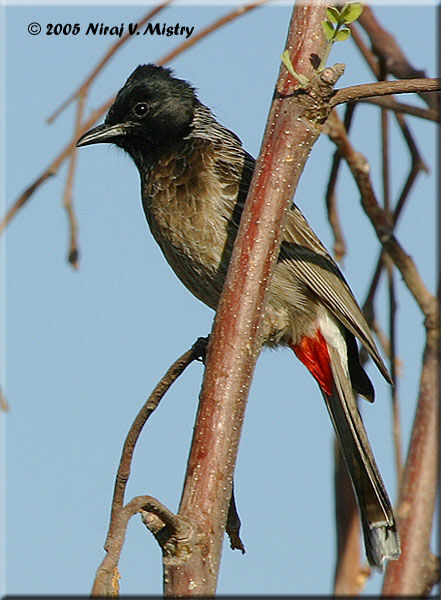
[235,342]
[415,572]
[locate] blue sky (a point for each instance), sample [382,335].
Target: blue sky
[84,348]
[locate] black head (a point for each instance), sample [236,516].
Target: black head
[151,112]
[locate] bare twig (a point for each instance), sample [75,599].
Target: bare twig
[385,46]
[106,578]
[429,114]
[396,427]
[418,165]
[349,575]
[232,526]
[67,197]
[382,222]
[106,583]
[331,203]
[382,337]
[384,88]
[52,169]
[151,404]
[385,146]
[3,402]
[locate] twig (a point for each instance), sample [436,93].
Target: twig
[3,402]
[382,337]
[384,88]
[415,571]
[232,527]
[67,197]
[106,583]
[150,405]
[372,61]
[429,114]
[331,203]
[241,10]
[396,428]
[417,162]
[367,54]
[382,222]
[385,46]
[106,578]
[52,168]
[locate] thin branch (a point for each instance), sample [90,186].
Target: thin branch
[418,165]
[106,583]
[416,571]
[385,154]
[123,473]
[232,526]
[52,168]
[67,197]
[429,114]
[3,402]
[372,61]
[382,337]
[331,203]
[367,54]
[107,575]
[384,88]
[374,66]
[385,46]
[382,222]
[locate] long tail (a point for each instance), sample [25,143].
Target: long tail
[377,519]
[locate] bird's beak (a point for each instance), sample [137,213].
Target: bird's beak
[102,134]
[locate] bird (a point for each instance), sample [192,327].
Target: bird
[194,176]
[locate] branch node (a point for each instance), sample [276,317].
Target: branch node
[199,348]
[318,93]
[176,537]
[331,75]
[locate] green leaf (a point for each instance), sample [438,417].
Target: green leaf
[333,14]
[328,30]
[343,34]
[287,61]
[351,11]
[302,79]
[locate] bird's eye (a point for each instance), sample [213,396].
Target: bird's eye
[141,109]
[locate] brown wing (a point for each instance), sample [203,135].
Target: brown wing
[313,265]
[301,249]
